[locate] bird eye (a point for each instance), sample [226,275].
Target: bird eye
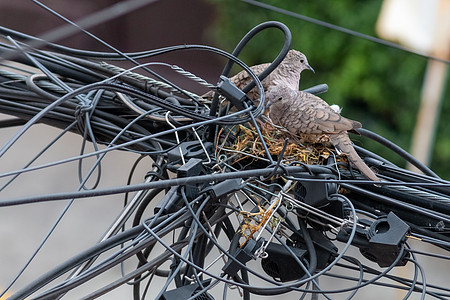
[302,60]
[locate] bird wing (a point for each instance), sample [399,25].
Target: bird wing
[241,80]
[319,117]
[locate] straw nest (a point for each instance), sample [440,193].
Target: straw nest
[248,148]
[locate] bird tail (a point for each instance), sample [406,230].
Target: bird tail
[342,143]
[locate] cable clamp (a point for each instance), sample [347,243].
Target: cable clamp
[237,97]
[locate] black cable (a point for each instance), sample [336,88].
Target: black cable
[402,281]
[309,246]
[77,260]
[96,270]
[242,43]
[399,174]
[79,74]
[390,145]
[393,202]
[12,122]
[58,68]
[369,207]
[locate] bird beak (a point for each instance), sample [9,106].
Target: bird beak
[310,68]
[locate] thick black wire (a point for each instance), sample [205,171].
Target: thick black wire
[242,43]
[11,123]
[12,140]
[258,110]
[342,29]
[408,157]
[393,202]
[441,240]
[68,71]
[186,180]
[168,105]
[438,295]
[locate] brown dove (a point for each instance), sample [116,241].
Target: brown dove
[312,119]
[287,73]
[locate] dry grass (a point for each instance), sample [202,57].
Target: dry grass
[249,145]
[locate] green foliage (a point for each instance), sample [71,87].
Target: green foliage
[375,84]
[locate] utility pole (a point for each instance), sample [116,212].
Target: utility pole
[423,25]
[433,89]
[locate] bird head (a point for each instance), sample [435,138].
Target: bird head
[277,94]
[298,60]
[290,68]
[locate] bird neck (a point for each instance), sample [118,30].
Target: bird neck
[287,77]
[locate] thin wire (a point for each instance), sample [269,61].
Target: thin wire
[441,256]
[344,30]
[109,13]
[81,186]
[176,137]
[208,157]
[125,144]
[111,47]
[39,154]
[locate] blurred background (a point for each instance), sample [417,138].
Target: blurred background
[381,86]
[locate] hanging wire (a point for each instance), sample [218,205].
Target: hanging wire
[343,29]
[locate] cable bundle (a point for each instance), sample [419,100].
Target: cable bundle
[237,206]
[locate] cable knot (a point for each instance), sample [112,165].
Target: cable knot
[83,107]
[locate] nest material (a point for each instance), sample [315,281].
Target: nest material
[248,144]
